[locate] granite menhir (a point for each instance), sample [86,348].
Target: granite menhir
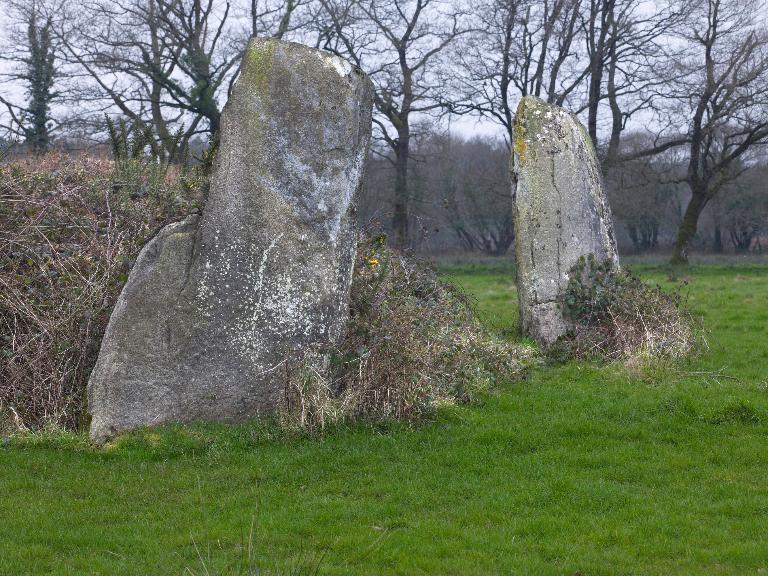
[216,303]
[560,212]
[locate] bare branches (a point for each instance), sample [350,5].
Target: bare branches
[518,48]
[399,44]
[281,18]
[33,54]
[162,63]
[724,86]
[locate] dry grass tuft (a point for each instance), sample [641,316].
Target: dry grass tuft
[617,316]
[412,344]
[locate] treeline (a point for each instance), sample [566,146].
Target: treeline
[461,201]
[676,83]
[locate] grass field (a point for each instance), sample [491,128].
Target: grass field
[601,470]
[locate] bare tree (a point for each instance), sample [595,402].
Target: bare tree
[33,53]
[472,178]
[644,192]
[398,43]
[724,90]
[164,63]
[603,58]
[170,63]
[629,48]
[195,33]
[519,48]
[459,190]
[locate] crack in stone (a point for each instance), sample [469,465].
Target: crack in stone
[263,266]
[552,240]
[559,213]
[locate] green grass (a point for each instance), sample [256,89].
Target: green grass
[581,468]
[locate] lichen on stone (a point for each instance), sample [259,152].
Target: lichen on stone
[520,146]
[560,211]
[270,267]
[257,64]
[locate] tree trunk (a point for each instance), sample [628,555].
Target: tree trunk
[687,229]
[633,235]
[741,237]
[617,119]
[40,74]
[161,132]
[602,10]
[214,124]
[717,244]
[400,212]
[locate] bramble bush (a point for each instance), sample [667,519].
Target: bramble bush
[617,316]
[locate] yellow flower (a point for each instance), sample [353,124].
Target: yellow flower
[373,261]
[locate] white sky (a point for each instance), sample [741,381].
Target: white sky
[469,126]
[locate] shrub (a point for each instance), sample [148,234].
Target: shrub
[617,316]
[412,343]
[68,232]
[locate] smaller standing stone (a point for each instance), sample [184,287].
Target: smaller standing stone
[560,210]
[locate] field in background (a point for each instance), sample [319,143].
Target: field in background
[602,470]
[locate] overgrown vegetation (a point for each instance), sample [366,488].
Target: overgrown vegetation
[413,343]
[69,230]
[617,316]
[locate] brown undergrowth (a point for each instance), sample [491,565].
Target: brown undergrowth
[413,343]
[617,316]
[69,230]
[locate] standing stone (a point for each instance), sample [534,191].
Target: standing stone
[215,304]
[560,212]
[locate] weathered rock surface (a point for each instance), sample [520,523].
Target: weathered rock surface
[215,304]
[560,212]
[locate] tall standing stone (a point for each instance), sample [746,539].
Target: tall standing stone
[560,212]
[215,304]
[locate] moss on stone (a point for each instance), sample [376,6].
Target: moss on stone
[522,120]
[526,124]
[520,146]
[257,64]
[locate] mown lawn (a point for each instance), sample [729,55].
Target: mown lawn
[601,470]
